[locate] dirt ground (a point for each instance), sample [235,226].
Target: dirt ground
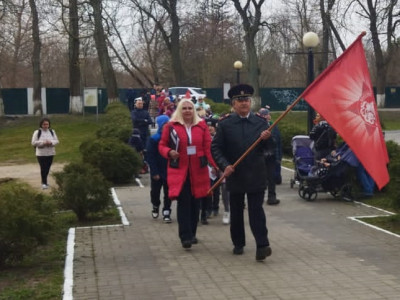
[29,173]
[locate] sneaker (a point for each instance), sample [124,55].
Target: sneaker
[45,186]
[204,222]
[226,218]
[155,212]
[167,219]
[166,216]
[194,240]
[215,212]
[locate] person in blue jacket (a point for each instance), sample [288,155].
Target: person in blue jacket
[158,172]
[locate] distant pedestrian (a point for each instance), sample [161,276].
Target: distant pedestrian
[158,172]
[270,155]
[130,98]
[44,140]
[135,141]
[141,120]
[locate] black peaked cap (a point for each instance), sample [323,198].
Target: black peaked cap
[240,90]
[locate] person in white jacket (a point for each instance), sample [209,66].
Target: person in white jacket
[44,140]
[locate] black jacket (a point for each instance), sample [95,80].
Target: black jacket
[324,138]
[234,136]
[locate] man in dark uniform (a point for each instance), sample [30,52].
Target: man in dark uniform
[235,134]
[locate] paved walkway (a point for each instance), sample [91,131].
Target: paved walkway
[318,252]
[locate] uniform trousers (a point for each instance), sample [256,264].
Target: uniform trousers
[45,163]
[155,193]
[257,218]
[270,164]
[188,208]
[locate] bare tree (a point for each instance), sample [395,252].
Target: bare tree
[75,86]
[170,32]
[250,14]
[37,75]
[384,18]
[126,59]
[100,39]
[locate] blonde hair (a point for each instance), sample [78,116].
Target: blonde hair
[177,115]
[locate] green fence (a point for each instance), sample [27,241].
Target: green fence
[15,101]
[57,99]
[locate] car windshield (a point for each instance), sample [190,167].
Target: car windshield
[199,91]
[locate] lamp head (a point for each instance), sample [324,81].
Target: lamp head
[238,65]
[310,40]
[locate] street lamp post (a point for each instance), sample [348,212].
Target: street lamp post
[237,65]
[310,40]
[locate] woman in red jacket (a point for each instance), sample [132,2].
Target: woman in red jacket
[186,143]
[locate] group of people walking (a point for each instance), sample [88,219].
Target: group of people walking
[188,154]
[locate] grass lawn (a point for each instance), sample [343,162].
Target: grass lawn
[40,275]
[71,130]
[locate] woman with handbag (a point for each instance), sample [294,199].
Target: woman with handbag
[186,143]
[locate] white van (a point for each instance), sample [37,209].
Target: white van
[181,92]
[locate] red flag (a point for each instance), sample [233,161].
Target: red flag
[187,95]
[343,95]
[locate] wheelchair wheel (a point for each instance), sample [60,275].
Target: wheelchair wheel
[345,193]
[302,191]
[310,194]
[335,193]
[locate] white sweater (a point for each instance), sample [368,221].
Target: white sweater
[41,149]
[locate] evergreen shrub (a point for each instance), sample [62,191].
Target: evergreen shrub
[117,123]
[26,220]
[83,189]
[288,131]
[118,162]
[394,173]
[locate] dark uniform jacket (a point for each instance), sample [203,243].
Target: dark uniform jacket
[234,136]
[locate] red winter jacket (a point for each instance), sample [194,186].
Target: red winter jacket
[199,176]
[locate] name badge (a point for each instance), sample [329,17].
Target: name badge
[191,150]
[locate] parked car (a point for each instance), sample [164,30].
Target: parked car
[181,92]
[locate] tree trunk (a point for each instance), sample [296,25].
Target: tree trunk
[381,67]
[175,48]
[251,24]
[75,86]
[102,51]
[37,75]
[253,70]
[325,37]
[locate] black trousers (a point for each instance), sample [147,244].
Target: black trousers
[270,164]
[155,193]
[257,219]
[215,196]
[45,163]
[188,209]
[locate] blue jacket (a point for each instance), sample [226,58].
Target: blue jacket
[157,163]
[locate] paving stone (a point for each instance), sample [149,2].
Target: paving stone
[317,253]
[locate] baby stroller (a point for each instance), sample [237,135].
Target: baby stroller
[326,176]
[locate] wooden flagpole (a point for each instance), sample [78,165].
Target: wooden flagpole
[257,142]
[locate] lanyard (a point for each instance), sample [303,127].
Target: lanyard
[189,134]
